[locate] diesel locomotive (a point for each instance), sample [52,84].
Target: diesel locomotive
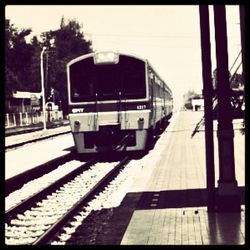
[116,102]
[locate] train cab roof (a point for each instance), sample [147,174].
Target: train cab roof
[104,57]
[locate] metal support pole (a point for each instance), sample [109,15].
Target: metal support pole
[47,69]
[14,120]
[21,119]
[242,32]
[26,115]
[8,120]
[207,93]
[43,89]
[228,196]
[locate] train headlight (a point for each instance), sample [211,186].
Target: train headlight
[106,58]
[243,107]
[77,123]
[140,123]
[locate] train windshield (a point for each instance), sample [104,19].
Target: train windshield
[90,82]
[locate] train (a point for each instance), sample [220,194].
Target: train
[116,101]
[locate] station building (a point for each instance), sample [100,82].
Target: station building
[198,104]
[25,108]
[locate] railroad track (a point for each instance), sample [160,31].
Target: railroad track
[17,181]
[38,219]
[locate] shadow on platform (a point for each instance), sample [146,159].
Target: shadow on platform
[178,199]
[108,226]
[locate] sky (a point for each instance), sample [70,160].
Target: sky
[167,35]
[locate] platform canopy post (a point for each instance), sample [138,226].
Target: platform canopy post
[228,199]
[208,96]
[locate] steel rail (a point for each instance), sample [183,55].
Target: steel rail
[24,205]
[19,180]
[48,236]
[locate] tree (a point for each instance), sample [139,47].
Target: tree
[188,97]
[18,56]
[69,44]
[34,76]
[11,82]
[236,93]
[22,59]
[236,81]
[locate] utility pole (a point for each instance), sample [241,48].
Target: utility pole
[228,199]
[45,48]
[208,95]
[43,88]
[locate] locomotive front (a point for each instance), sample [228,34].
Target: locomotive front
[109,107]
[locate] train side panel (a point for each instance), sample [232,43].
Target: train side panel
[161,101]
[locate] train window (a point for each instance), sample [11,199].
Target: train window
[81,80]
[133,85]
[107,80]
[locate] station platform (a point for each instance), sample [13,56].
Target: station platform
[22,135]
[32,155]
[166,205]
